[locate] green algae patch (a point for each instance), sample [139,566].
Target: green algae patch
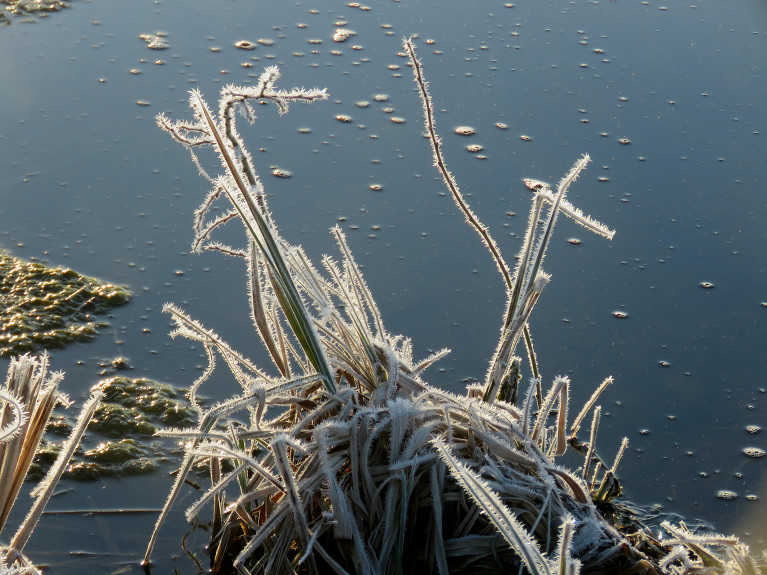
[90,471]
[112,458]
[30,7]
[107,459]
[114,420]
[120,434]
[29,10]
[151,401]
[43,307]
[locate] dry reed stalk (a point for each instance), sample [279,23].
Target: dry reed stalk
[30,394]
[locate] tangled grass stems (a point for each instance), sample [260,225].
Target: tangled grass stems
[29,395]
[348,461]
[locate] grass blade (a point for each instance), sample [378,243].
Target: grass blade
[45,489]
[506,524]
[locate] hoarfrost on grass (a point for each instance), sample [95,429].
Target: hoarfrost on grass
[350,461]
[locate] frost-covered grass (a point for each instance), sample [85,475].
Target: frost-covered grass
[350,462]
[27,399]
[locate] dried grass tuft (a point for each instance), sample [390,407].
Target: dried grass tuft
[350,462]
[29,395]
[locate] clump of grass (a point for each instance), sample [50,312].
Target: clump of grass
[28,397]
[348,461]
